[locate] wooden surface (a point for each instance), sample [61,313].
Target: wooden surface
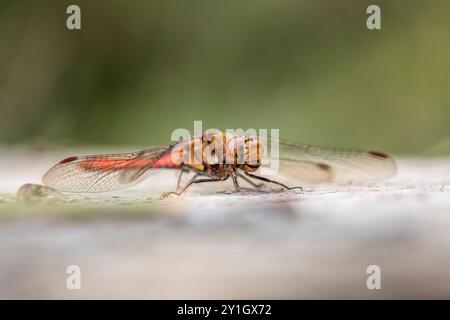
[216,243]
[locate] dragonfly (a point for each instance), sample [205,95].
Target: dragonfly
[238,157]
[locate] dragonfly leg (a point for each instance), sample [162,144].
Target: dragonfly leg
[235,182]
[193,181]
[272,181]
[179,177]
[256,185]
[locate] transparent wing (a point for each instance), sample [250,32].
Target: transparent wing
[322,164]
[105,172]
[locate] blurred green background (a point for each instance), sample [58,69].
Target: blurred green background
[139,69]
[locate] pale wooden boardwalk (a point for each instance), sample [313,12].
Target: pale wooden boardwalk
[215,244]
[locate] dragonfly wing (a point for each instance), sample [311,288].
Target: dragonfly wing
[105,172]
[322,164]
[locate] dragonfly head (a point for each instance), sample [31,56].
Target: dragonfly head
[247,151]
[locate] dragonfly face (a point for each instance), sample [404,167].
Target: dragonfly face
[247,151]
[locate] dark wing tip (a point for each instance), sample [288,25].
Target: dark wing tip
[379,154]
[69,159]
[390,164]
[324,166]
